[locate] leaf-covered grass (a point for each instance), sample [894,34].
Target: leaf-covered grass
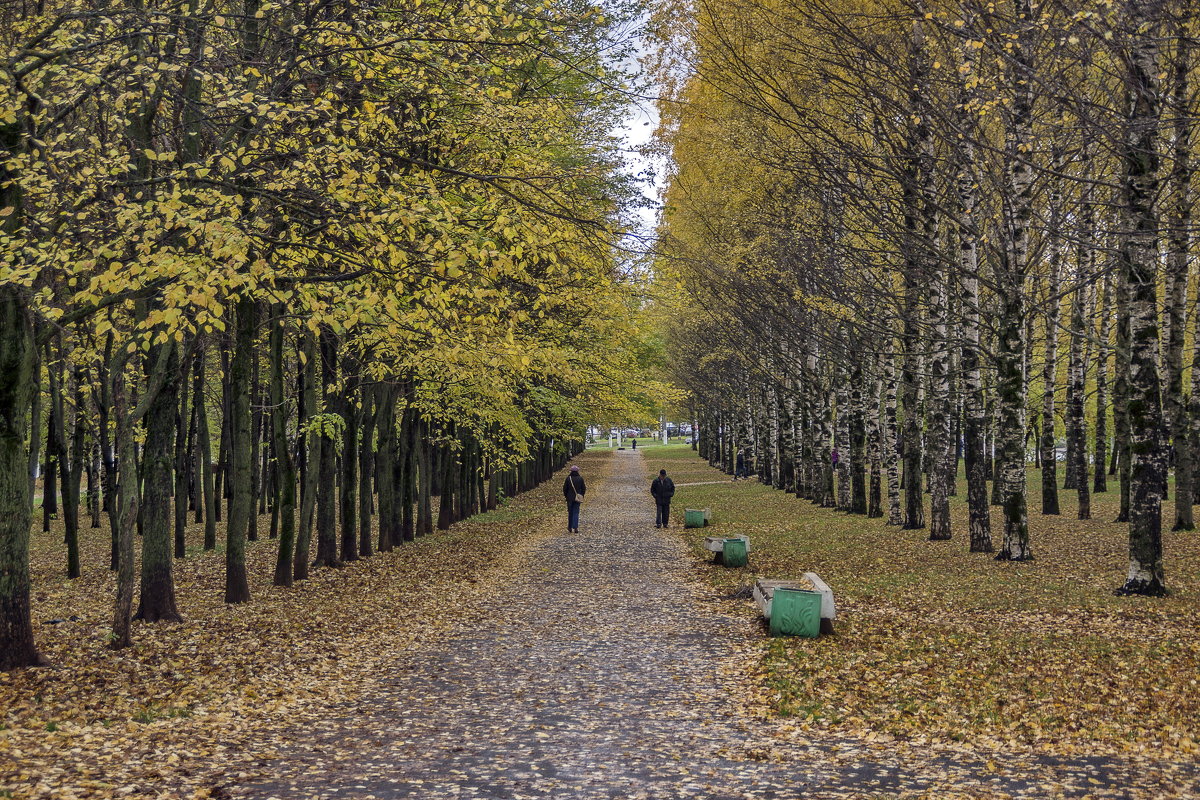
[191,698]
[934,641]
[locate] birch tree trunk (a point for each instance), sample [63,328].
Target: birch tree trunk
[912,182]
[1139,256]
[974,409]
[939,412]
[1076,378]
[891,436]
[1048,444]
[1178,262]
[1100,481]
[842,440]
[875,447]
[1010,357]
[1121,388]
[858,443]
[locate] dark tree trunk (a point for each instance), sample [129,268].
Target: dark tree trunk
[449,489]
[104,407]
[18,382]
[310,446]
[50,477]
[157,600]
[203,437]
[285,468]
[385,472]
[256,427]
[408,489]
[222,477]
[349,499]
[366,459]
[425,492]
[57,449]
[182,461]
[237,587]
[327,541]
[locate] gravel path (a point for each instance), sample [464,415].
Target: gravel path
[596,673]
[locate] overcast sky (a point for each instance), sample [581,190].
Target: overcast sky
[637,130]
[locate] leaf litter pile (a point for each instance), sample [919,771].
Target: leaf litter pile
[183,709]
[934,644]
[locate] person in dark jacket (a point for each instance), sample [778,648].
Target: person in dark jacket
[573,490]
[663,490]
[740,471]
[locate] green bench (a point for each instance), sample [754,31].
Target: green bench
[735,555]
[796,608]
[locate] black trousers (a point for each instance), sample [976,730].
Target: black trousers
[664,512]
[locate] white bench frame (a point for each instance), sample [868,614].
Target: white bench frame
[764,593]
[717,543]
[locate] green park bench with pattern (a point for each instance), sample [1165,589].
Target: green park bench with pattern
[796,608]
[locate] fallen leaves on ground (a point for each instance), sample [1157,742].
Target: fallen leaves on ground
[190,700]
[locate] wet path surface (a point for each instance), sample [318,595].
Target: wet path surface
[596,673]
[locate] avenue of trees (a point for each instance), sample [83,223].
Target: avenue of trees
[347,263]
[917,232]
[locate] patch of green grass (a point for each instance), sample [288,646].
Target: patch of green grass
[934,640]
[155,712]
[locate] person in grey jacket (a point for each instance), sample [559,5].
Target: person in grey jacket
[663,490]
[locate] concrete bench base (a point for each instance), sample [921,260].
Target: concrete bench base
[716,544]
[764,593]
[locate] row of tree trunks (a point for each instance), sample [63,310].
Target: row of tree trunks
[342,473]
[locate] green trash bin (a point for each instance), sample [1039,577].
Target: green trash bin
[734,553]
[694,518]
[795,612]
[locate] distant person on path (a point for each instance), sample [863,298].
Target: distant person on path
[574,489]
[740,471]
[834,456]
[635,444]
[663,490]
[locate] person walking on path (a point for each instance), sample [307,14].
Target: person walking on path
[574,489]
[663,490]
[740,471]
